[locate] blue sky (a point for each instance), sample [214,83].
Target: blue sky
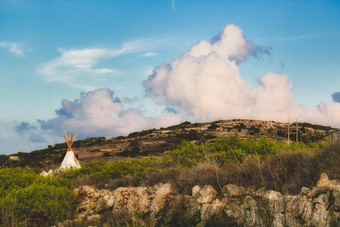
[105,51]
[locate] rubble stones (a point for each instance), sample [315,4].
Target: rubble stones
[305,190]
[207,194]
[262,208]
[195,192]
[232,190]
[163,196]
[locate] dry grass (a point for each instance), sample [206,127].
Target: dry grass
[329,160]
[289,172]
[167,176]
[207,173]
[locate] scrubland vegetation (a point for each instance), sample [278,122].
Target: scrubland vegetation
[26,197]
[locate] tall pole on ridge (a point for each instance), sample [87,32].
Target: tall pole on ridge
[288,131]
[297,130]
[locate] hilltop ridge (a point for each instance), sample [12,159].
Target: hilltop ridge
[156,141]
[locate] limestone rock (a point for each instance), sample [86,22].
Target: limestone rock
[275,201]
[305,191]
[323,181]
[207,194]
[322,186]
[121,196]
[195,192]
[316,191]
[232,190]
[251,212]
[162,197]
[209,209]
[320,214]
[206,212]
[300,207]
[336,196]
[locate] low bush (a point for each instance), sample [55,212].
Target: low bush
[186,154]
[170,175]
[286,172]
[142,133]
[231,149]
[136,168]
[12,178]
[289,172]
[55,203]
[329,160]
[246,173]
[26,197]
[207,173]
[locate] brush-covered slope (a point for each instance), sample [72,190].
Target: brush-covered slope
[156,141]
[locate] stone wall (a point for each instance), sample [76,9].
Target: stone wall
[319,206]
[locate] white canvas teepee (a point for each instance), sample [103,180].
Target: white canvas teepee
[70,161]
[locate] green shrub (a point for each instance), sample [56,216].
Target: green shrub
[26,196]
[254,130]
[3,159]
[56,203]
[136,168]
[13,178]
[314,126]
[186,154]
[183,125]
[231,149]
[142,133]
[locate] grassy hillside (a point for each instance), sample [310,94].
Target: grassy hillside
[26,197]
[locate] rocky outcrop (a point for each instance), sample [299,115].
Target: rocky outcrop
[319,206]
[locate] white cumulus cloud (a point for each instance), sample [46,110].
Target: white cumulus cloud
[205,84]
[99,113]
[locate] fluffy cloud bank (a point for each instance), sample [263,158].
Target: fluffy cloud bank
[99,113]
[203,84]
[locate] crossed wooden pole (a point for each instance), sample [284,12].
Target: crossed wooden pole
[69,141]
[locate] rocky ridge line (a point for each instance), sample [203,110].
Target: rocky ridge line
[156,141]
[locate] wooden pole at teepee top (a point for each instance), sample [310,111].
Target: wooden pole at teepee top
[69,141]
